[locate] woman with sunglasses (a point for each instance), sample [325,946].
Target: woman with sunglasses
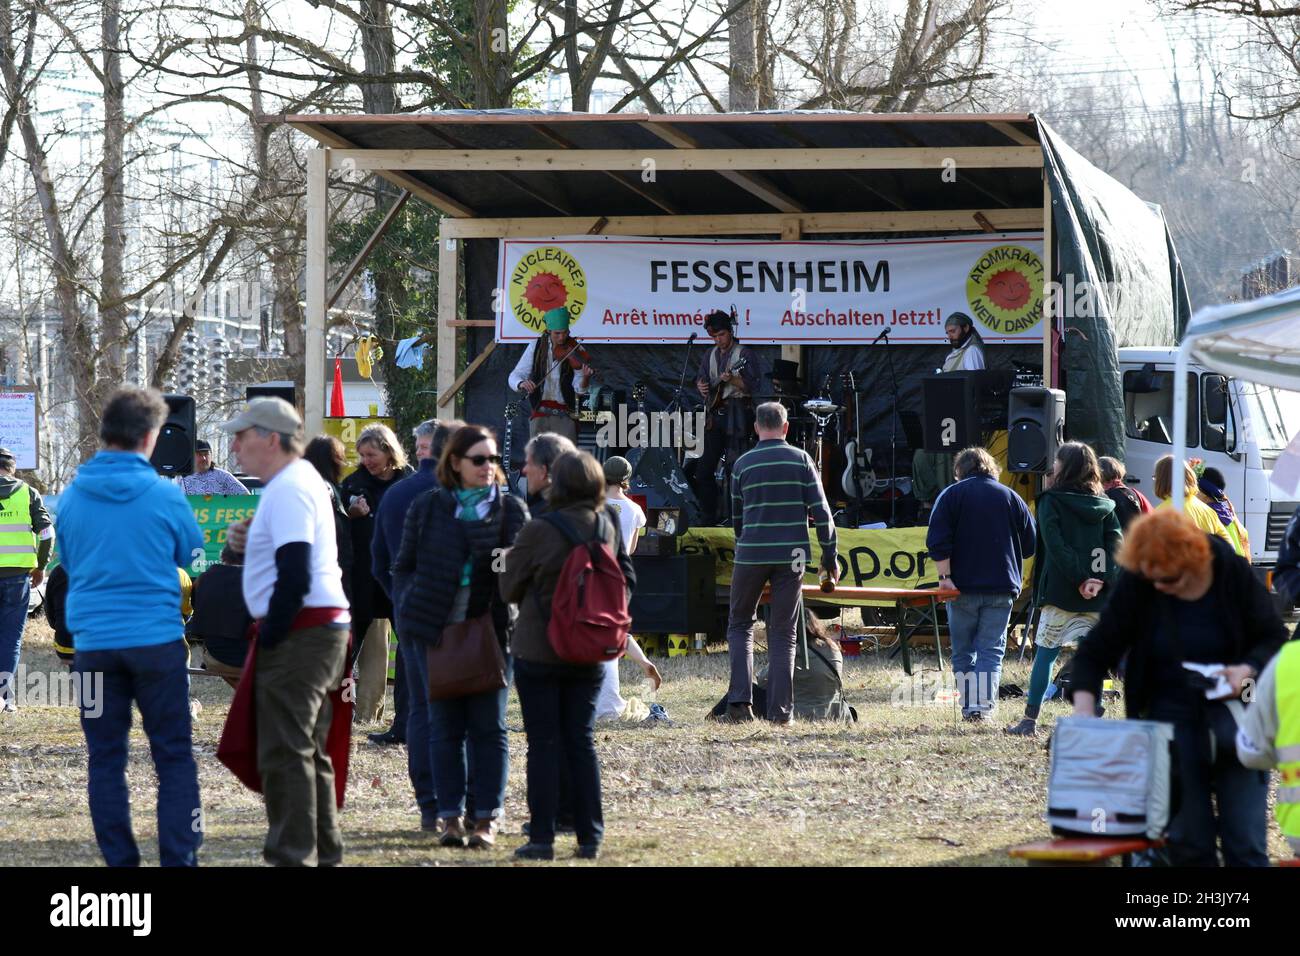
[1184,597]
[446,572]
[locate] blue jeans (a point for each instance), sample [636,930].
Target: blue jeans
[14,590]
[419,717]
[479,723]
[155,678]
[559,707]
[977,625]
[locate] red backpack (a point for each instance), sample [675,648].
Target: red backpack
[589,619]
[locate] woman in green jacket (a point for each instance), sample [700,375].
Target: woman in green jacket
[1074,565]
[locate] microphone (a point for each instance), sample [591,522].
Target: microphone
[884,334]
[694,336]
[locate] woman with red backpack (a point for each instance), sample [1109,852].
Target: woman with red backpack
[558,699]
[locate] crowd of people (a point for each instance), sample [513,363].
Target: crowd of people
[302,587]
[445,551]
[1164,599]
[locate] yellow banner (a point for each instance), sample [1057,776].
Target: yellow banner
[346,430]
[883,558]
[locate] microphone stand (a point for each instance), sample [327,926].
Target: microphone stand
[893,436]
[679,397]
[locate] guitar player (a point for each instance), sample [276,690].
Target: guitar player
[728,380]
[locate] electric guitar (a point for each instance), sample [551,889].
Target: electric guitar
[715,393]
[512,408]
[859,478]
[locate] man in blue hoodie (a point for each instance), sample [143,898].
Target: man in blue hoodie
[123,531]
[979,536]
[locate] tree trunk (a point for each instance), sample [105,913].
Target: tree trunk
[742,84]
[112,308]
[79,347]
[492,76]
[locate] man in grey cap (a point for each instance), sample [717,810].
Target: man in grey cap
[26,537]
[294,590]
[209,479]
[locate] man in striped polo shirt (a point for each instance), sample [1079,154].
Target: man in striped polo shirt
[774,488]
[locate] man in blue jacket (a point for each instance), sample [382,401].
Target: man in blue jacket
[980,534]
[123,531]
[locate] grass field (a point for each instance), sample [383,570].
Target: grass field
[907,785]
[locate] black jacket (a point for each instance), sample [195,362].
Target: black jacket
[1127,506]
[369,601]
[1286,575]
[220,618]
[435,544]
[1128,624]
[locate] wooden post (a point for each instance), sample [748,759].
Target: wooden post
[448,276]
[791,231]
[1048,279]
[317,233]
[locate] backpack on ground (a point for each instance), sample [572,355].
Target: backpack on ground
[589,620]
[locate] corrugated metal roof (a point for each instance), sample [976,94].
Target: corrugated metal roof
[593,193]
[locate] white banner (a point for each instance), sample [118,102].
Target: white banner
[629,289]
[18,425]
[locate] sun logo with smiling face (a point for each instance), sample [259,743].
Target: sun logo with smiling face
[1005,289]
[546,291]
[545,278]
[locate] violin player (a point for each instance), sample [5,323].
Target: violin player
[552,372]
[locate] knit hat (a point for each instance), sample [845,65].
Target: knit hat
[558,320]
[617,470]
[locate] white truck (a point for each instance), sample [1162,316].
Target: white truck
[1236,426]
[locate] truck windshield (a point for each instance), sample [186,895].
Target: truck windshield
[1275,415]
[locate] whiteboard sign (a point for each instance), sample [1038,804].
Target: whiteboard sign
[18,425]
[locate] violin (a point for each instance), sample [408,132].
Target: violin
[572,352]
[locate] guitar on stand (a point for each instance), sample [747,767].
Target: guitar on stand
[858,479]
[507,443]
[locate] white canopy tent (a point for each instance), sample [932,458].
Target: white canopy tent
[1257,341]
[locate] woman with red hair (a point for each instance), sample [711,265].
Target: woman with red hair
[1184,597]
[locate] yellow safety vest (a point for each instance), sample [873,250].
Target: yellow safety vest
[17,540]
[1287,742]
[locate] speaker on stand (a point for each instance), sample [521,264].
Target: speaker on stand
[1035,428]
[173,455]
[285,390]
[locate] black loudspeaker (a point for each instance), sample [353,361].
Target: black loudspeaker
[656,474]
[674,594]
[1035,428]
[174,453]
[959,407]
[950,411]
[285,390]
